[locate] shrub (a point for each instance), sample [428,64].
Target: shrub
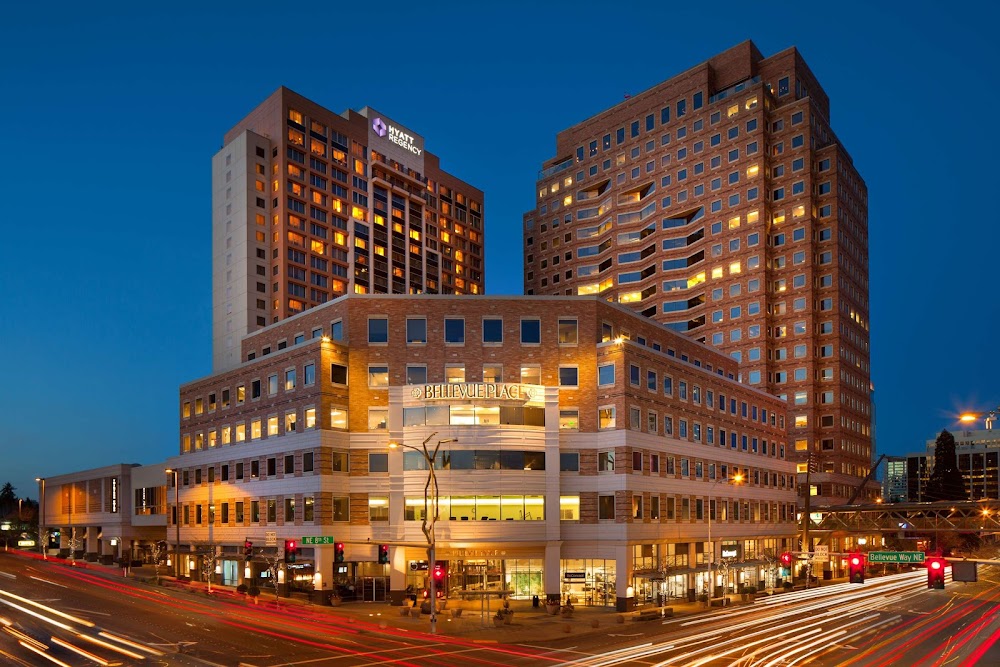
[253,591]
[242,589]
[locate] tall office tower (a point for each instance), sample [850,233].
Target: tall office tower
[309,204]
[721,204]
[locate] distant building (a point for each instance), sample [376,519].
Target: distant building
[894,480]
[978,459]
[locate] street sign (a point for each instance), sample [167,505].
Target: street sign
[317,539]
[895,556]
[270,538]
[821,553]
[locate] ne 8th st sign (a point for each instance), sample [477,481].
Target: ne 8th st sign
[896,557]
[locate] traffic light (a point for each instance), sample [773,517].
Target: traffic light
[440,574]
[935,572]
[786,559]
[338,552]
[290,551]
[856,563]
[247,550]
[383,554]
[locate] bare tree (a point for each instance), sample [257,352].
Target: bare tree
[209,558]
[274,563]
[159,553]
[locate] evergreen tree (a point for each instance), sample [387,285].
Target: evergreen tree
[8,500]
[946,482]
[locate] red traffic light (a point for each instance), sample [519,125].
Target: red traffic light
[855,560]
[935,565]
[291,544]
[786,559]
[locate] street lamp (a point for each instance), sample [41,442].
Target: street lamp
[735,479]
[42,538]
[177,523]
[427,525]
[989,417]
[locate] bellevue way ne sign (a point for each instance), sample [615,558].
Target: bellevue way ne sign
[896,557]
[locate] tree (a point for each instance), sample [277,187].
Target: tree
[946,482]
[8,500]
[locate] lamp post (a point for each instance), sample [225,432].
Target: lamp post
[429,519]
[735,479]
[42,537]
[177,523]
[989,417]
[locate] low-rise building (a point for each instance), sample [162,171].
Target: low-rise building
[582,450]
[104,514]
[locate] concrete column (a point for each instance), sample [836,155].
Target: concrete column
[323,573]
[397,576]
[623,578]
[552,574]
[91,543]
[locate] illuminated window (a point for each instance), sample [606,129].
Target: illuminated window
[734,222]
[318,247]
[241,432]
[752,171]
[272,426]
[716,272]
[752,217]
[801,421]
[310,417]
[734,268]
[801,445]
[359,214]
[732,110]
[338,418]
[798,211]
[255,429]
[295,116]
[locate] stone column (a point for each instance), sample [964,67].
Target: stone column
[623,578]
[552,574]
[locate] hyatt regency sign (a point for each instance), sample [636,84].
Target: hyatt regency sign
[471,391]
[394,141]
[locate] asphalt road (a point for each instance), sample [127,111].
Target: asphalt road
[50,612]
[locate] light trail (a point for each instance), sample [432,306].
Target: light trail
[109,645]
[129,642]
[76,649]
[37,605]
[36,615]
[44,655]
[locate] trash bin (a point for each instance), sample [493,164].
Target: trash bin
[534,601]
[690,595]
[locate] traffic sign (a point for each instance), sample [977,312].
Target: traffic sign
[271,538]
[317,539]
[896,557]
[821,553]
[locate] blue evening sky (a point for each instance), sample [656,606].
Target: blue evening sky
[112,111]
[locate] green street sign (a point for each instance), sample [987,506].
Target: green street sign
[317,539]
[896,557]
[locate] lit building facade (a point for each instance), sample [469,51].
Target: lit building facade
[583,450]
[978,454]
[104,514]
[894,482]
[721,204]
[309,204]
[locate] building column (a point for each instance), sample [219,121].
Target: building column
[624,593]
[397,576]
[322,572]
[553,572]
[91,543]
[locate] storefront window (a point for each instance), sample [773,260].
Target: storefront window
[588,581]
